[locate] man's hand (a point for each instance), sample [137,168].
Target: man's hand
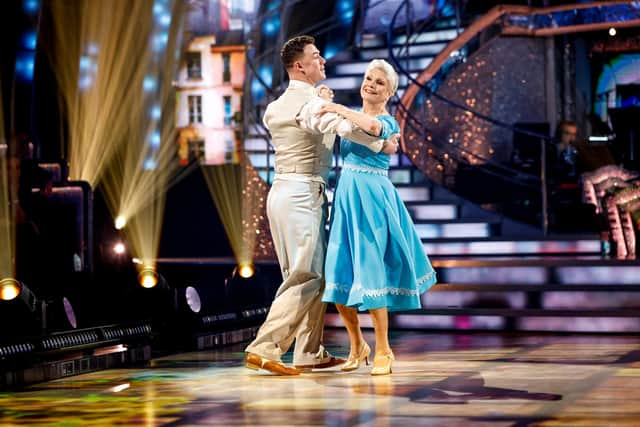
[390,146]
[323,91]
[330,107]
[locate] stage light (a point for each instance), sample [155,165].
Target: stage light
[246,270]
[193,299]
[119,248]
[148,278]
[59,315]
[244,290]
[9,289]
[20,310]
[612,31]
[120,222]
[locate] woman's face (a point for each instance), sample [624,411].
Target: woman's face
[375,87]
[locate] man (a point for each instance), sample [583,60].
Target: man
[297,210]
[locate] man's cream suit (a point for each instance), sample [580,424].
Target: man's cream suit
[297,212]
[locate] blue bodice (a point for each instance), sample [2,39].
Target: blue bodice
[359,155]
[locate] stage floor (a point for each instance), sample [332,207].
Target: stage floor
[438,380]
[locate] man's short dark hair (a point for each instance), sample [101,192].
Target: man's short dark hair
[293,49]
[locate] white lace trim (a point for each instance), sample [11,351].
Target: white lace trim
[366,169]
[380,292]
[430,275]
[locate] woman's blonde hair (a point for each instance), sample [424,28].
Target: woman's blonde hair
[387,69]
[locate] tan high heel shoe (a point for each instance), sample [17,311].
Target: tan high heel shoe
[382,364]
[353,362]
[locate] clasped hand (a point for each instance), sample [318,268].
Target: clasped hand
[391,144]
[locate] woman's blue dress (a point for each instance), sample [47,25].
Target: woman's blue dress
[374,258]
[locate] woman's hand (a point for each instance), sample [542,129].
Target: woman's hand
[390,146]
[331,107]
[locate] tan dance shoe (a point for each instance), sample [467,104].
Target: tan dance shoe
[255,362]
[353,362]
[382,364]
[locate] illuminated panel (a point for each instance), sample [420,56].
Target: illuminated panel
[579,324]
[598,275]
[496,275]
[438,231]
[590,300]
[513,247]
[433,211]
[473,299]
[409,194]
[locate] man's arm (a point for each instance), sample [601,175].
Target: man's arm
[309,120]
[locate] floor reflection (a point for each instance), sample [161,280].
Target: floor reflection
[438,379]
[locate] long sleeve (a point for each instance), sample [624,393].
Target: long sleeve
[308,119]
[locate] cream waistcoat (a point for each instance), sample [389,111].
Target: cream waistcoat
[297,151]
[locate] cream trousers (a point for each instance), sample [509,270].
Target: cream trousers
[297,212]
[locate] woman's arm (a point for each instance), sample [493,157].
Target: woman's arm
[369,124]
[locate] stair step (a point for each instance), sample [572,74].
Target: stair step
[594,321]
[519,300]
[462,247]
[415,50]
[432,210]
[440,35]
[582,271]
[532,287]
[256,144]
[357,68]
[413,193]
[536,312]
[445,34]
[450,230]
[400,176]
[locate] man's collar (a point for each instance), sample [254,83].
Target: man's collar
[299,84]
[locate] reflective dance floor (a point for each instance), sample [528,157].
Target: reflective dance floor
[438,380]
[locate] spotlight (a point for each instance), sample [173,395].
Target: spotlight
[612,31]
[171,308]
[148,278]
[9,289]
[247,287]
[120,222]
[24,314]
[246,270]
[119,248]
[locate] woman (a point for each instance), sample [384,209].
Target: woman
[375,259]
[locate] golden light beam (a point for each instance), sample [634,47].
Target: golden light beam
[240,198]
[99,56]
[7,208]
[7,217]
[135,189]
[225,183]
[119,79]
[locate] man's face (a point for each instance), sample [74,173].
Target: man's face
[312,64]
[569,134]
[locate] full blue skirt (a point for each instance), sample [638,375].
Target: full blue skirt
[374,258]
